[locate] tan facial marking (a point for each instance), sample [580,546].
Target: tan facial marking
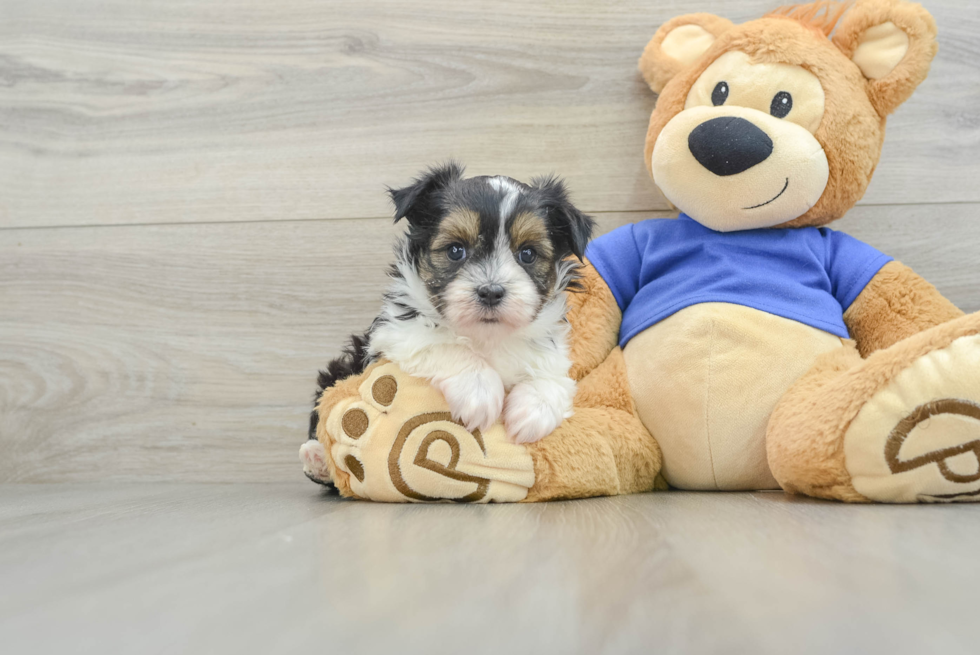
[529,230]
[460,226]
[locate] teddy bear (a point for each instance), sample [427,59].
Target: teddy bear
[743,345]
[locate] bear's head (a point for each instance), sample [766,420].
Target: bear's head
[775,122]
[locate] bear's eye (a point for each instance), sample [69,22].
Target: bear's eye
[720,94]
[456,252]
[782,102]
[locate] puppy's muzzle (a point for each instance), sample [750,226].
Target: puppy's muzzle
[729,145]
[490,295]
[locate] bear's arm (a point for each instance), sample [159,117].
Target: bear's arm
[594,316]
[896,304]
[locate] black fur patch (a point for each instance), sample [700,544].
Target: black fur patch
[421,203]
[354,360]
[571,230]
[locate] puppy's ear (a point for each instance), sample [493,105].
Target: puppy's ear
[677,44]
[570,229]
[893,43]
[417,202]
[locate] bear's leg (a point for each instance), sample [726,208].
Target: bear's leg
[602,450]
[387,436]
[901,426]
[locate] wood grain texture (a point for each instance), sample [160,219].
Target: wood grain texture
[188,352]
[162,111]
[280,568]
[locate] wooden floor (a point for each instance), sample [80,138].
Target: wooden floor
[192,218]
[280,568]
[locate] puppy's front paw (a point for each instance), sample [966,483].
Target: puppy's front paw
[475,397]
[534,409]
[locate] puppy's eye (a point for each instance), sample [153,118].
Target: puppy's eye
[527,255]
[456,252]
[782,103]
[720,94]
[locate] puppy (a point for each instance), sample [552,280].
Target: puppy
[477,299]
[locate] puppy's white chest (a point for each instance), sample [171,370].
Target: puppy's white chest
[510,368]
[518,360]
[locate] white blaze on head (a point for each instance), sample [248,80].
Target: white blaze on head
[511,193]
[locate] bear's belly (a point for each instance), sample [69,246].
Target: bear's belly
[706,380]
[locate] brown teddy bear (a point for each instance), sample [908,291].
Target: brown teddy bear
[741,345]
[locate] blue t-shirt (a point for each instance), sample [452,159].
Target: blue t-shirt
[658,267]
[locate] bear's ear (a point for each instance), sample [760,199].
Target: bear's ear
[893,43]
[677,44]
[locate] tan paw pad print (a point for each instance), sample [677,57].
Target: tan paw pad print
[918,439]
[398,443]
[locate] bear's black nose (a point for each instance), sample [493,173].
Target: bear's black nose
[728,145]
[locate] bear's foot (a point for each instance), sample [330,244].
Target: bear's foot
[917,439]
[901,426]
[413,450]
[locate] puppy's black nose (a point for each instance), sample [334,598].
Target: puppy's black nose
[728,145]
[490,294]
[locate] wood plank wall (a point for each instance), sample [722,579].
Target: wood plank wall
[192,213]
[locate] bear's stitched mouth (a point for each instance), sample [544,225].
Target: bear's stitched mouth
[785,186]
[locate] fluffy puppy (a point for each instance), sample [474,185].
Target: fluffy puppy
[477,299]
